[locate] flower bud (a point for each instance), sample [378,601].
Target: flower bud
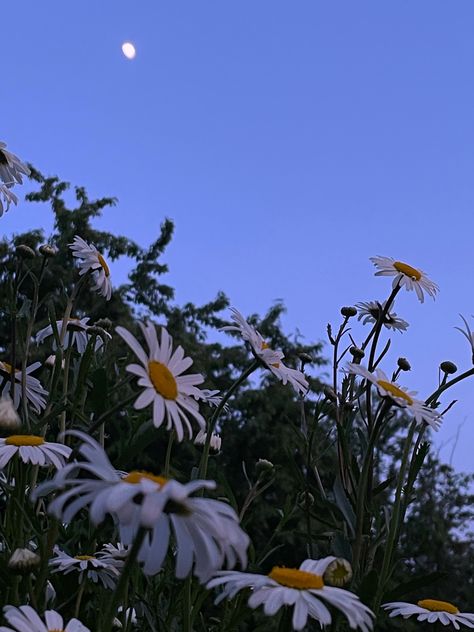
[448,367]
[356,353]
[98,331]
[338,572]
[25,252]
[329,393]
[305,358]
[48,251]
[263,466]
[9,419]
[348,312]
[51,361]
[23,561]
[403,364]
[105,323]
[305,499]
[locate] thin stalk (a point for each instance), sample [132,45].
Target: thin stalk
[171,437]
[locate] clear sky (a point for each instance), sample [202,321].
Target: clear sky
[288,140]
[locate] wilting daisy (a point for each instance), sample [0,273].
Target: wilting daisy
[172,394]
[399,395]
[6,198]
[26,619]
[76,334]
[105,569]
[215,442]
[469,335]
[431,610]
[94,261]
[302,588]
[206,532]
[34,391]
[33,449]
[370,312]
[12,169]
[273,360]
[405,275]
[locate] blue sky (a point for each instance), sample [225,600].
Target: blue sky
[288,141]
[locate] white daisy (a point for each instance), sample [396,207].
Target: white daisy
[215,442]
[370,311]
[172,394]
[76,334]
[302,588]
[405,275]
[94,261]
[12,169]
[273,360]
[206,532]
[33,449]
[6,198]
[26,619]
[431,610]
[35,393]
[104,569]
[399,395]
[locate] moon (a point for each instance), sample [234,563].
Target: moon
[128,49]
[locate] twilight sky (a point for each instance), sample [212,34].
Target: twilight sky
[288,141]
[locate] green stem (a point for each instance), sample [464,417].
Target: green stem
[187,605]
[216,415]
[80,594]
[124,577]
[171,437]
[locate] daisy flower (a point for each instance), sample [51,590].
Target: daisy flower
[302,588]
[405,275]
[399,395]
[215,442]
[26,619]
[431,610]
[35,393]
[160,373]
[469,335]
[12,169]
[206,532]
[94,261]
[106,569]
[369,313]
[76,334]
[273,360]
[33,449]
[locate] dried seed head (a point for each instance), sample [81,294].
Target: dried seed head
[105,323]
[356,353]
[448,367]
[403,364]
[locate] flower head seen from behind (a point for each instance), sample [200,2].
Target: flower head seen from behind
[302,588]
[273,360]
[105,569]
[206,532]
[76,334]
[35,393]
[173,394]
[399,395]
[405,276]
[468,334]
[26,619]
[92,260]
[431,611]
[371,311]
[9,419]
[33,449]
[12,169]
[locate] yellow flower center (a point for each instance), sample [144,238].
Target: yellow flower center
[294,578]
[438,606]
[136,476]
[276,365]
[55,630]
[84,558]
[21,440]
[104,265]
[395,391]
[6,367]
[265,345]
[407,270]
[162,379]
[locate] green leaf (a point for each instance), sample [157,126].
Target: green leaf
[344,505]
[414,584]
